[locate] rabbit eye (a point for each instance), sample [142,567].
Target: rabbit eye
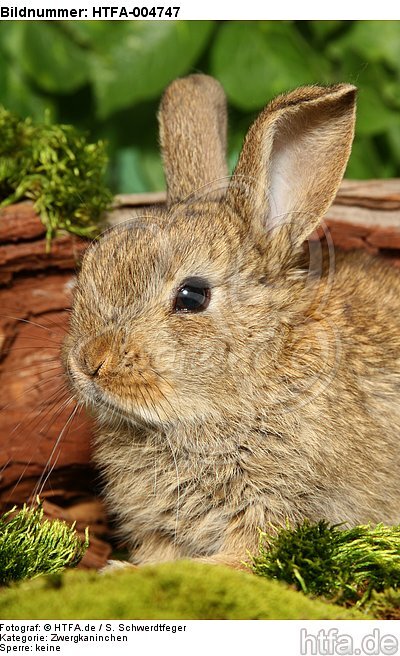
[193,296]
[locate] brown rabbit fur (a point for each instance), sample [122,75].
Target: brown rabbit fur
[278,400]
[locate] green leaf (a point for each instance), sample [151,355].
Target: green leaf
[42,50]
[96,34]
[138,170]
[373,116]
[128,171]
[392,92]
[140,65]
[393,137]
[257,60]
[375,40]
[18,96]
[364,161]
[323,29]
[351,67]
[153,170]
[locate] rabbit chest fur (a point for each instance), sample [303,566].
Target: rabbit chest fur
[235,380]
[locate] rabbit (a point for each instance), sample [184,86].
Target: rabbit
[238,380]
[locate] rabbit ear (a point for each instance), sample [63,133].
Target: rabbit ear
[193,125]
[293,160]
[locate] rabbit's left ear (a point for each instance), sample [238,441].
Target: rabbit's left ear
[293,160]
[193,127]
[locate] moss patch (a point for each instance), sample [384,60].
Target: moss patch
[384,605]
[55,167]
[345,565]
[180,590]
[30,546]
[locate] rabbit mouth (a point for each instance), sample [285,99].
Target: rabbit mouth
[109,406]
[108,409]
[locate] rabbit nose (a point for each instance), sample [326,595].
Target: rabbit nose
[92,367]
[95,358]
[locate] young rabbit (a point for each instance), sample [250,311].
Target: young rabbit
[235,381]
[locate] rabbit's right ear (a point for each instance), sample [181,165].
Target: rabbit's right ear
[292,163]
[193,126]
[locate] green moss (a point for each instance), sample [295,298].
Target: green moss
[30,546]
[180,590]
[56,168]
[345,565]
[385,605]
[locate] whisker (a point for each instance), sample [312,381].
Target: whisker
[39,383]
[162,394]
[43,339]
[27,424]
[55,323]
[26,348]
[42,481]
[33,323]
[45,315]
[79,426]
[32,425]
[65,400]
[63,403]
[34,366]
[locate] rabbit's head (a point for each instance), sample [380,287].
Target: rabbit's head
[182,313]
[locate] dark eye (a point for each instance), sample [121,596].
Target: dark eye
[193,296]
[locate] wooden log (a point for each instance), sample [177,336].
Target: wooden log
[41,449]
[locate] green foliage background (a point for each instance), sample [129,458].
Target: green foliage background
[107,77]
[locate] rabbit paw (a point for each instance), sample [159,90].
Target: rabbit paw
[113,565]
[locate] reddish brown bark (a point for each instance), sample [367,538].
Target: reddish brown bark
[39,451]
